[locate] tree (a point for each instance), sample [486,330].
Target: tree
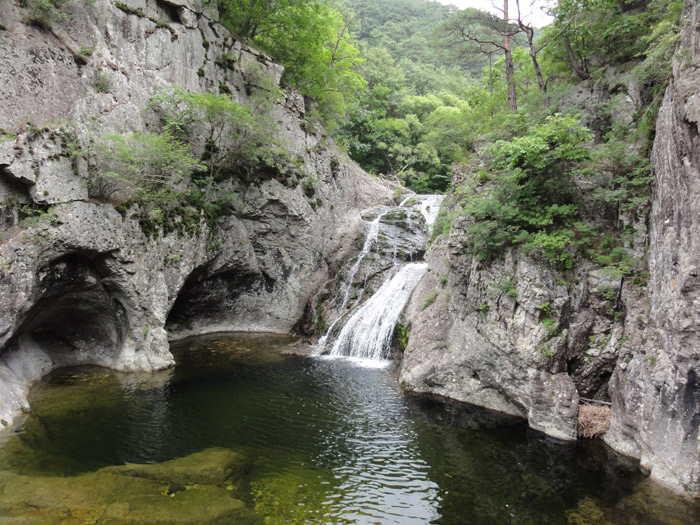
[149,166]
[531,200]
[235,141]
[311,39]
[530,34]
[486,34]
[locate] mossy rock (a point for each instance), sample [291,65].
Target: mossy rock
[214,466]
[194,489]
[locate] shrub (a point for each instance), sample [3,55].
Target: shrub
[44,13]
[147,166]
[103,82]
[401,335]
[237,142]
[532,199]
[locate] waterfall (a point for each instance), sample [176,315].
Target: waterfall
[372,234]
[368,331]
[367,334]
[429,207]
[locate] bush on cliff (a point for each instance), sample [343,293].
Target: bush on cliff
[531,199]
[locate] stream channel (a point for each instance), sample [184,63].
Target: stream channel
[239,431]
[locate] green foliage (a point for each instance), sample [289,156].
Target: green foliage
[546,309]
[33,215]
[402,333]
[45,13]
[484,309]
[532,200]
[138,12]
[237,143]
[609,32]
[545,349]
[309,185]
[103,82]
[311,39]
[441,226]
[508,287]
[429,300]
[143,165]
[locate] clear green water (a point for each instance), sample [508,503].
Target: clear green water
[324,441]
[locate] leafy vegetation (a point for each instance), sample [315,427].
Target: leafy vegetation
[44,13]
[429,300]
[144,166]
[409,89]
[185,171]
[311,38]
[402,334]
[531,199]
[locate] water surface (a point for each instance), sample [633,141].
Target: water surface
[329,442]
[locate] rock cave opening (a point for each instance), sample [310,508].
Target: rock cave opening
[76,320]
[212,302]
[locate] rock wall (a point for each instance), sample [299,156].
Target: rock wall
[656,387]
[523,339]
[513,337]
[82,283]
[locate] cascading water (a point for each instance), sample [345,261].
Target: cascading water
[367,333]
[346,289]
[372,233]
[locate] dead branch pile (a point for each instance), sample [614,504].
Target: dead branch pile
[593,421]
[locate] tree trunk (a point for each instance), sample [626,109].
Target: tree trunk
[510,70]
[533,54]
[510,78]
[579,69]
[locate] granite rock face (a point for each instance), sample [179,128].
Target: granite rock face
[512,337]
[523,339]
[82,283]
[656,387]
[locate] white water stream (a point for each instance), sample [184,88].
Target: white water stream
[367,333]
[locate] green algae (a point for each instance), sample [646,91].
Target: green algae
[194,489]
[214,466]
[290,489]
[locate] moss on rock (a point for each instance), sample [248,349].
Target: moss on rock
[193,489]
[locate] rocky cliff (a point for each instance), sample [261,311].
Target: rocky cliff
[81,282]
[656,386]
[522,338]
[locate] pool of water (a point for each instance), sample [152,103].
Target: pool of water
[326,441]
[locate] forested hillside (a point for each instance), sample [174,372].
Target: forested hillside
[172,168]
[411,88]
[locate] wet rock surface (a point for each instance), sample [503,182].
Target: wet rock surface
[195,489]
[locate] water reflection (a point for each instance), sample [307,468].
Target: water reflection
[330,442]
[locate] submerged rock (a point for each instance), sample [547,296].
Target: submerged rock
[193,489]
[214,466]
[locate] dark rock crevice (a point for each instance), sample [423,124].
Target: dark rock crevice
[209,300]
